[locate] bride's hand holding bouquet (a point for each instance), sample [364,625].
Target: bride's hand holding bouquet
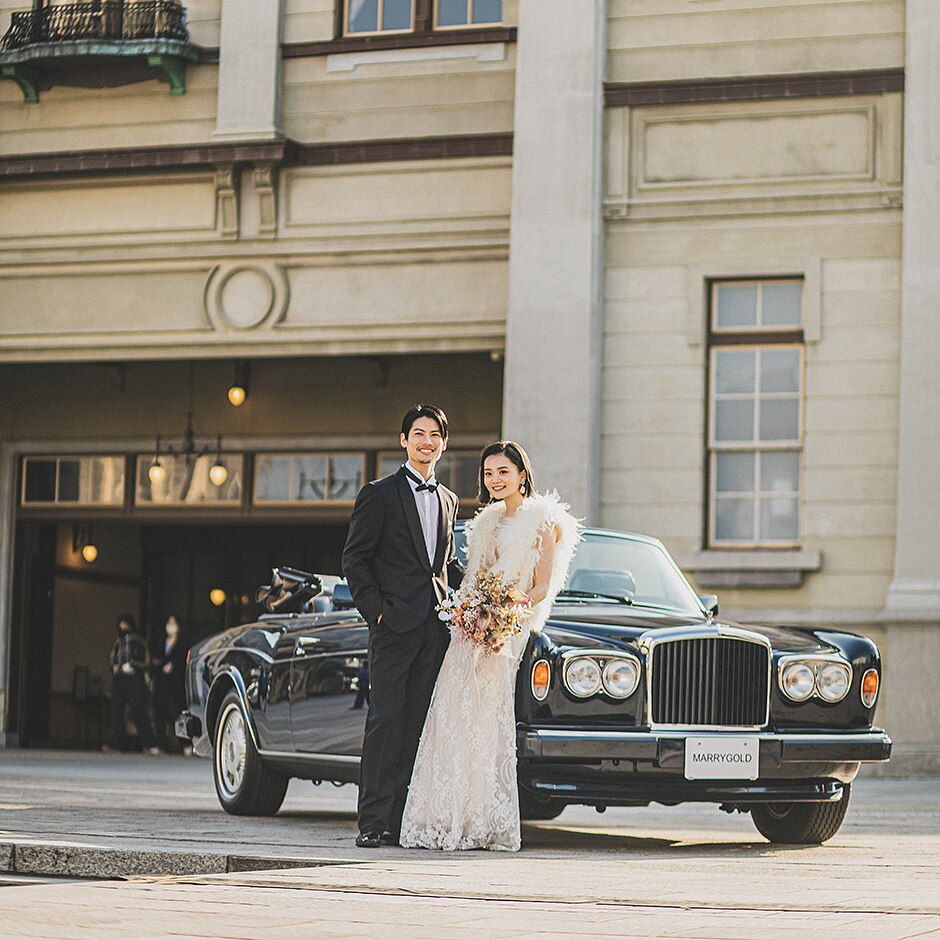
[486,612]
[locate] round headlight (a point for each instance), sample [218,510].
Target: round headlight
[583,676]
[832,681]
[621,677]
[798,681]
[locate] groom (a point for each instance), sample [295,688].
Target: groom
[400,542]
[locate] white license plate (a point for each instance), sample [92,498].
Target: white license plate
[721,758]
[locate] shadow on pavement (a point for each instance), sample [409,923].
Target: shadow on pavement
[561,837]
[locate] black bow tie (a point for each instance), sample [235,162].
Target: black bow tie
[430,487]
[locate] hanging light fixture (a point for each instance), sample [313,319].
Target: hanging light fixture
[238,390]
[83,542]
[218,472]
[217,596]
[156,471]
[189,450]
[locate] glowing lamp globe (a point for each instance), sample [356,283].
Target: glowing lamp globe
[237,395]
[89,553]
[217,596]
[218,474]
[157,473]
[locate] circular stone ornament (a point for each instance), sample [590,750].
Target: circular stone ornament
[245,297]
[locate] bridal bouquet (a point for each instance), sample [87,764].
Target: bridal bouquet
[486,611]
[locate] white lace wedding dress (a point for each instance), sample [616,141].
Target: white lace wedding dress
[463,789]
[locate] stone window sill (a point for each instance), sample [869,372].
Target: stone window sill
[412,40]
[757,568]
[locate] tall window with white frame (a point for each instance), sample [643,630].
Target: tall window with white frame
[755,426]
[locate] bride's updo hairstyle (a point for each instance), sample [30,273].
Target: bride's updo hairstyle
[517,456]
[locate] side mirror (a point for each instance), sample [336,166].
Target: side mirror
[710,603]
[342,597]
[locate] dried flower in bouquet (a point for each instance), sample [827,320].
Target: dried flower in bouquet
[486,611]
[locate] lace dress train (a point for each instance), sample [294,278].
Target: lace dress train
[463,792]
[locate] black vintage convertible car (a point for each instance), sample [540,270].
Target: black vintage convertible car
[635,692]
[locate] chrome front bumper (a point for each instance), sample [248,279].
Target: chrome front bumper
[666,750]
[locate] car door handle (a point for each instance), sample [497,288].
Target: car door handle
[303,642]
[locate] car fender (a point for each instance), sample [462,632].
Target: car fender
[225,680]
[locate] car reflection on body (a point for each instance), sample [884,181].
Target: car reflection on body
[635,692]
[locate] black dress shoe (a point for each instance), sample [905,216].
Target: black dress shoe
[369,839]
[390,838]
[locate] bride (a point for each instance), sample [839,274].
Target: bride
[463,789]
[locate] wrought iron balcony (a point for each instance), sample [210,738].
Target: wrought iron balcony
[97,43]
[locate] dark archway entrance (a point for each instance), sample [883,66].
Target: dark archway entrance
[65,610]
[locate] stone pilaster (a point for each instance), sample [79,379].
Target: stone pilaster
[552,377]
[915,590]
[249,70]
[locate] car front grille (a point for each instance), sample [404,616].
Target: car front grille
[715,681]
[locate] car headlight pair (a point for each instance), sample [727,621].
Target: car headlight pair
[828,679]
[618,676]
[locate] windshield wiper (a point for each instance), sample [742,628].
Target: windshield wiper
[594,595]
[620,598]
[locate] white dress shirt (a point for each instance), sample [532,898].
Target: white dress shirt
[428,504]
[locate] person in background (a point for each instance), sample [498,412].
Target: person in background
[128,689]
[168,673]
[362,687]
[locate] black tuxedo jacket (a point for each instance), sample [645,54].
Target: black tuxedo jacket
[385,559]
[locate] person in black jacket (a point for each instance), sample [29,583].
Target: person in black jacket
[400,542]
[128,662]
[168,672]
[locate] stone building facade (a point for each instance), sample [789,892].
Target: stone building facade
[683,249]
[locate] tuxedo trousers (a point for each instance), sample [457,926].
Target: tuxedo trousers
[403,668]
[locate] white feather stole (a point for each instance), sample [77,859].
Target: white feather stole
[513,545]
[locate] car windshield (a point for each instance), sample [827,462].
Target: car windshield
[619,566]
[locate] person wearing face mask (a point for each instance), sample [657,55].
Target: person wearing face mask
[128,688]
[168,673]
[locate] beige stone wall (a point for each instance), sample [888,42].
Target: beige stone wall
[308,20]
[801,187]
[138,115]
[652,40]
[384,257]
[375,95]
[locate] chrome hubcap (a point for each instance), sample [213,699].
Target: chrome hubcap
[230,754]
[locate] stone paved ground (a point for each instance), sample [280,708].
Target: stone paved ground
[658,872]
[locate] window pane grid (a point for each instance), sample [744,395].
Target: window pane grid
[186,481]
[720,418]
[755,415]
[379,16]
[314,478]
[756,305]
[758,514]
[76,481]
[451,14]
